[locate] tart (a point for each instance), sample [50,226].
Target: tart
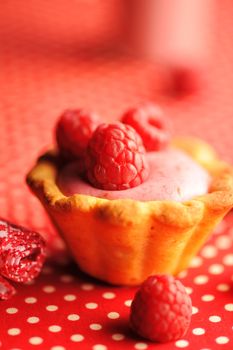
[122,241]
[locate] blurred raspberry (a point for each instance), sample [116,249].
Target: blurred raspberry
[22,252]
[116,158]
[151,125]
[73,132]
[161,309]
[183,82]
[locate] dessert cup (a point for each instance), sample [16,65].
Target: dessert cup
[123,241]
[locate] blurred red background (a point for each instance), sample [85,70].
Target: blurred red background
[63,54]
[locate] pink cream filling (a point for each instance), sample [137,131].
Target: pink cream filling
[173,176]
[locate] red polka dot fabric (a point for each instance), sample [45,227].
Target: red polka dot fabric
[58,55]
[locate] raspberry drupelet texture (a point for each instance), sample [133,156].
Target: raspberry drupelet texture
[115,158]
[151,125]
[22,252]
[161,309]
[73,132]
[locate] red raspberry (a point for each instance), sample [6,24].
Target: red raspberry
[116,158]
[22,252]
[149,122]
[161,309]
[73,132]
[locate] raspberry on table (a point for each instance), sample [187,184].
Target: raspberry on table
[161,309]
[151,125]
[22,252]
[73,132]
[115,158]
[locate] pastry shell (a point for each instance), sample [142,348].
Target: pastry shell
[124,241]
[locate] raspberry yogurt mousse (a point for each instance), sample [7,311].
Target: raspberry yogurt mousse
[172,176]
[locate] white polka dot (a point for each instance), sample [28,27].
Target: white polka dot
[196,262]
[91,306]
[215,319]
[141,346]
[223,287]
[49,289]
[216,269]
[201,279]
[66,278]
[195,310]
[35,340]
[95,326]
[87,286]
[189,290]
[51,307]
[77,337]
[220,228]
[99,347]
[33,319]
[14,331]
[109,295]
[54,328]
[207,297]
[128,302]
[209,251]
[223,242]
[73,317]
[181,343]
[58,347]
[12,310]
[228,260]
[228,307]
[118,336]
[183,274]
[113,315]
[59,243]
[198,331]
[222,340]
[69,297]
[30,300]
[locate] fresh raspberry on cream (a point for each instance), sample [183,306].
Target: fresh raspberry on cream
[173,175]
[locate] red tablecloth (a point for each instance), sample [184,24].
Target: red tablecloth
[53,57]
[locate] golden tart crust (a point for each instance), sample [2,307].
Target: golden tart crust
[124,241]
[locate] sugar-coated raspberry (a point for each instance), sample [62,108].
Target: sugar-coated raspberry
[161,309]
[115,158]
[73,132]
[151,125]
[22,252]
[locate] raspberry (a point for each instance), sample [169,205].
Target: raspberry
[73,132]
[22,252]
[149,122]
[161,309]
[116,158]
